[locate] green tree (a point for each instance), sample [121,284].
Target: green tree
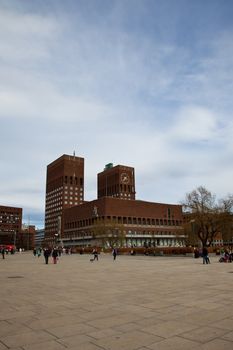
[205,217]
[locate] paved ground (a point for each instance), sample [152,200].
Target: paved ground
[136,302]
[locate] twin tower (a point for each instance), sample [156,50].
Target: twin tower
[65,187]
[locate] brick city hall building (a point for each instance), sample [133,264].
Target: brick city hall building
[114,217]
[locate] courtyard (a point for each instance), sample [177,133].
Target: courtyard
[133,303]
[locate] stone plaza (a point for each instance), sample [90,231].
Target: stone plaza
[133,303]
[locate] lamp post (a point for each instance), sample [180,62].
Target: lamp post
[28,237]
[14,238]
[59,230]
[131,238]
[95,216]
[55,238]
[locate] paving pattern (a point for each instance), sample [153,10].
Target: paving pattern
[133,303]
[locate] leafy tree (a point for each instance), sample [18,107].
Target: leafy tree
[205,217]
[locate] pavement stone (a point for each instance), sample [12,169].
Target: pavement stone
[134,303]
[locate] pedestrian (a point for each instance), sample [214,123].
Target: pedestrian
[3,252]
[55,255]
[114,253]
[196,253]
[95,253]
[60,251]
[205,256]
[38,252]
[47,255]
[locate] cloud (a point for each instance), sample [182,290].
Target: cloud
[25,36]
[120,87]
[195,124]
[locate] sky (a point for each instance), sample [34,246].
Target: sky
[141,83]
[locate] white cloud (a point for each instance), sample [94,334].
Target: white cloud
[114,95]
[25,36]
[194,123]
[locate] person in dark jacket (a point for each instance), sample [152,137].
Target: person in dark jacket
[55,255]
[3,252]
[95,253]
[47,253]
[114,253]
[205,256]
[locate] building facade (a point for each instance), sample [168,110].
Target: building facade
[27,237]
[39,238]
[64,189]
[10,225]
[115,216]
[127,223]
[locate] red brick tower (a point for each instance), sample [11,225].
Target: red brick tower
[64,189]
[118,181]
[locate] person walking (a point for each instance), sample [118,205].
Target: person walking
[55,255]
[38,252]
[95,253]
[205,256]
[3,252]
[47,255]
[114,253]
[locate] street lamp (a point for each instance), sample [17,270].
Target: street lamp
[56,237]
[14,238]
[58,234]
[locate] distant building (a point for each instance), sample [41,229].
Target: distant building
[64,189]
[27,237]
[39,237]
[10,225]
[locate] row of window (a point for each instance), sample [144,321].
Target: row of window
[73,180]
[11,217]
[125,221]
[58,193]
[72,203]
[111,190]
[128,233]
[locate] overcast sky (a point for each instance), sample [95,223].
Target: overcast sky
[142,83]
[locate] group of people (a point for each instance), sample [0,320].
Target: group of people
[95,254]
[226,255]
[56,252]
[4,251]
[37,251]
[51,252]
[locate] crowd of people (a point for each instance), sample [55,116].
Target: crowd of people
[56,252]
[226,255]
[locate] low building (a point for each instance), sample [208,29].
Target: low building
[114,221]
[27,237]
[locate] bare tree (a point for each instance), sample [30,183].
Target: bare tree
[108,232]
[206,217]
